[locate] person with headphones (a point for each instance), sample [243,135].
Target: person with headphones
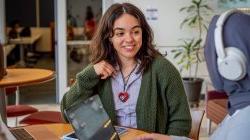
[227,53]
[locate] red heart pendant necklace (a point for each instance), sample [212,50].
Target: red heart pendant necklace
[124,96]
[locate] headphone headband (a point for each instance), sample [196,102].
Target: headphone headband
[218,33]
[223,17]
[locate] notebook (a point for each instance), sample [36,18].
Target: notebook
[14,133]
[90,121]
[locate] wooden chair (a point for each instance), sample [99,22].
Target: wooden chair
[197,116]
[216,107]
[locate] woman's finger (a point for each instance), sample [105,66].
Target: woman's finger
[110,67]
[104,69]
[104,74]
[110,71]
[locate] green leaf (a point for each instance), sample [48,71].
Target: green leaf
[193,21]
[206,7]
[198,42]
[177,54]
[190,8]
[183,8]
[184,22]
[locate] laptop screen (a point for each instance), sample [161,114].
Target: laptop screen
[90,120]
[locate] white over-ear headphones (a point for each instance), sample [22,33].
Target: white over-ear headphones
[231,61]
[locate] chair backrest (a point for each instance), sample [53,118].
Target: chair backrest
[197,116]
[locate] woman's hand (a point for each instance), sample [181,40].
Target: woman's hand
[104,69]
[152,136]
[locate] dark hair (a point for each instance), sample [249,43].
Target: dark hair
[101,47]
[26,32]
[14,23]
[89,13]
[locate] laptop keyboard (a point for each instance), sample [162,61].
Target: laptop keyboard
[21,134]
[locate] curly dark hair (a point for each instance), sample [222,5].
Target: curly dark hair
[101,48]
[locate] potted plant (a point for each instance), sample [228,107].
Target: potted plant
[187,53]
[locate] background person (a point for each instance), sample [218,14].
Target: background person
[14,29]
[14,56]
[89,24]
[233,41]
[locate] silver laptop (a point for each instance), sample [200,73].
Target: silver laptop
[13,133]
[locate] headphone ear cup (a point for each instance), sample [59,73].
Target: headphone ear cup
[233,66]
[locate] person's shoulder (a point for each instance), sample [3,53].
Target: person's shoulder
[164,69]
[160,62]
[163,65]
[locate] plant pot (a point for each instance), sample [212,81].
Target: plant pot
[193,90]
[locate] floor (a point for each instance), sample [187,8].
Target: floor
[43,96]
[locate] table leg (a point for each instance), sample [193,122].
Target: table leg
[22,62]
[3,105]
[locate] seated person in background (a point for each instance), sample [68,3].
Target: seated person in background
[227,54]
[14,55]
[138,87]
[26,32]
[70,32]
[89,24]
[14,31]
[30,51]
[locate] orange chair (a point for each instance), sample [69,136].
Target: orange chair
[216,107]
[17,109]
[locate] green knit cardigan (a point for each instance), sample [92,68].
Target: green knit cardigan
[162,104]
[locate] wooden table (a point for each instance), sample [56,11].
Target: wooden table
[21,77]
[56,131]
[78,42]
[24,41]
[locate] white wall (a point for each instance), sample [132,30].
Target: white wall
[106,4]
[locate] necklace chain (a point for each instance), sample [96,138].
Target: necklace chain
[125,79]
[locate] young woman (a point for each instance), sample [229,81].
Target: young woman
[138,87]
